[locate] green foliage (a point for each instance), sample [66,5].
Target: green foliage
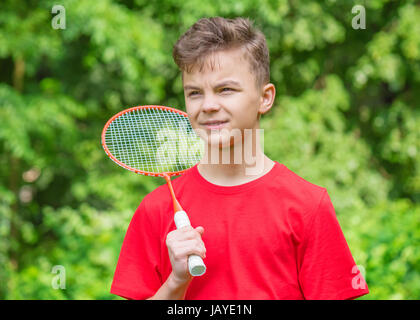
[388,240]
[346,117]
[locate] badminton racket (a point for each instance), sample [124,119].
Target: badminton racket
[156,141]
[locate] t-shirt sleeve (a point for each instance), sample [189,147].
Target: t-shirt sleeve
[327,269]
[137,273]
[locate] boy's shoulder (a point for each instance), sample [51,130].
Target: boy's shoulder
[297,183]
[296,200]
[296,192]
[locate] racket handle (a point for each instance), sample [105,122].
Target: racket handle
[196,265]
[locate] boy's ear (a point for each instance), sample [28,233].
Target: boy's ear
[268,94]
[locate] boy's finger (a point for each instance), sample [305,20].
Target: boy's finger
[200,230]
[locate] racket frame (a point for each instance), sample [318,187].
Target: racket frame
[110,155]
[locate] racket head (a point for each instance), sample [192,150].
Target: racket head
[152,140]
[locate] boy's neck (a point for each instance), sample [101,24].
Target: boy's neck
[236,174]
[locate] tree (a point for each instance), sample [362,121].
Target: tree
[346,117]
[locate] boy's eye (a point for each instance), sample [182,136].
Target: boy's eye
[195,92]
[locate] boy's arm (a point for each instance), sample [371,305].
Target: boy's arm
[181,243]
[172,289]
[327,270]
[136,275]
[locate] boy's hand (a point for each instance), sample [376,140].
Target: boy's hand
[182,243]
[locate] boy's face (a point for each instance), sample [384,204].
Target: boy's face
[223,98]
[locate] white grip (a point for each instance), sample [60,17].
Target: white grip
[196,265]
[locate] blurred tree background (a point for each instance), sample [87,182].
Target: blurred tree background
[346,117]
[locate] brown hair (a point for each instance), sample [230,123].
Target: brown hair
[210,35]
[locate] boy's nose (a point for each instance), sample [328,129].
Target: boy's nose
[210,105]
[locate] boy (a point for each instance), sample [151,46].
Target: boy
[266,235]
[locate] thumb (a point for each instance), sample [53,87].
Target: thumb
[200,230]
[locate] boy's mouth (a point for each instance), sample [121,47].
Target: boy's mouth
[214,124]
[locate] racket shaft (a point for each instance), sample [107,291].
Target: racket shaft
[196,265]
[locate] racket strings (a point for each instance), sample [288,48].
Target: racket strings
[153,140]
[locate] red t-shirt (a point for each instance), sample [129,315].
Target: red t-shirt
[276,237]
